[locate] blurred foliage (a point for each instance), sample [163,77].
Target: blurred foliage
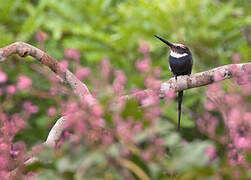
[214,30]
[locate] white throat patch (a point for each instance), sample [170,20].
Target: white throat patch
[177,55]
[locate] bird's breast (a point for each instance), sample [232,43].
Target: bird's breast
[182,65]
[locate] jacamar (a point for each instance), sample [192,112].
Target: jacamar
[180,63]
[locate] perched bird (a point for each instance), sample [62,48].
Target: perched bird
[180,63]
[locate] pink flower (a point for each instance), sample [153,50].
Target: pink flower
[246,89]
[88,99]
[51,112]
[11,89]
[170,94]
[214,88]
[53,90]
[3,77]
[71,108]
[247,117]
[98,122]
[4,147]
[3,174]
[119,82]
[211,152]
[150,100]
[137,127]
[236,70]
[242,142]
[117,87]
[107,140]
[3,117]
[64,64]
[209,106]
[243,79]
[31,175]
[124,130]
[82,73]
[153,113]
[236,58]
[29,107]
[18,121]
[139,94]
[207,124]
[233,99]
[17,150]
[18,146]
[105,68]
[147,155]
[157,72]
[234,117]
[3,162]
[236,158]
[152,83]
[120,77]
[24,82]
[160,141]
[144,48]
[14,153]
[97,110]
[143,65]
[72,53]
[41,36]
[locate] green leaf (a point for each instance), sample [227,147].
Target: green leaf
[132,110]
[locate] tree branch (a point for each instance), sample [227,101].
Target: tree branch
[197,79]
[79,88]
[55,132]
[23,50]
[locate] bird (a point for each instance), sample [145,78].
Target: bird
[180,63]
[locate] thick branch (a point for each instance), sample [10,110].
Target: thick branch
[197,79]
[23,49]
[206,77]
[52,139]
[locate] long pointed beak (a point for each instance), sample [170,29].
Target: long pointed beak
[165,41]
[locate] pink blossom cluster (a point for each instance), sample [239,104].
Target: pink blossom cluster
[113,122]
[11,153]
[91,124]
[144,65]
[30,108]
[235,113]
[3,77]
[119,82]
[24,82]
[98,125]
[73,54]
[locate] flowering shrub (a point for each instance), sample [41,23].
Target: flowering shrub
[236,117]
[120,137]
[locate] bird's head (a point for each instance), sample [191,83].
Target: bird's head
[177,50]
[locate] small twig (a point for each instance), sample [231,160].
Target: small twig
[55,132]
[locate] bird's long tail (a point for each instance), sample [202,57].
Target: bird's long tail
[180,95]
